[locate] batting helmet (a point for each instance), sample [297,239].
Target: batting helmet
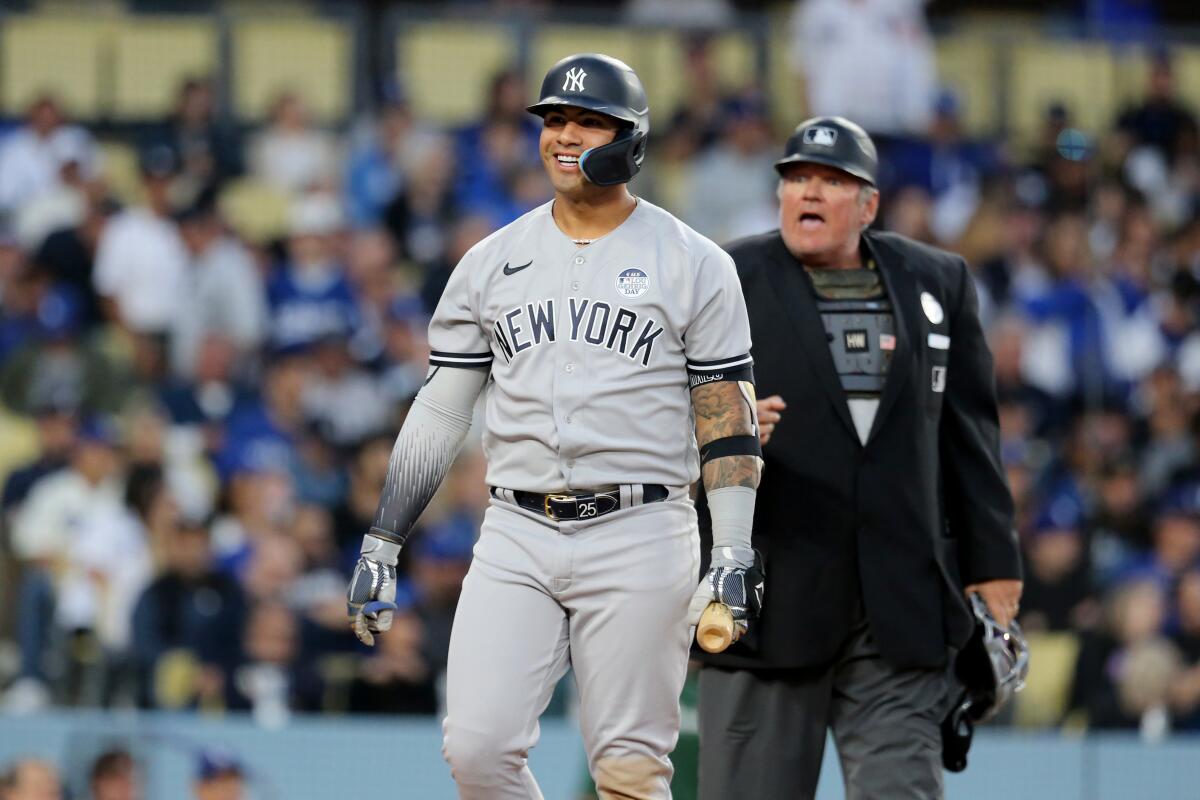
[835,142]
[603,84]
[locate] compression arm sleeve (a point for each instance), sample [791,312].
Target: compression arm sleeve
[427,445]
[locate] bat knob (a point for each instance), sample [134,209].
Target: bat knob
[715,631]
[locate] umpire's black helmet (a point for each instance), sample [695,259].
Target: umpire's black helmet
[603,84]
[835,142]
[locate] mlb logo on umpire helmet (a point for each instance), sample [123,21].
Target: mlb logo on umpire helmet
[820,135]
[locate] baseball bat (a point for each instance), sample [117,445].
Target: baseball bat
[715,631]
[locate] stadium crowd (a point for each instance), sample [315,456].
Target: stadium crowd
[197,423]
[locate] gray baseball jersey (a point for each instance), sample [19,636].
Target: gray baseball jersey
[591,348]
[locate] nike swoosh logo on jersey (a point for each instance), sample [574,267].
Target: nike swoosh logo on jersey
[514,270]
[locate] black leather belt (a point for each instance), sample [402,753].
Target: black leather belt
[572,506]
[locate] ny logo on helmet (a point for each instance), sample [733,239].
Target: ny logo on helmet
[574,81]
[820,135]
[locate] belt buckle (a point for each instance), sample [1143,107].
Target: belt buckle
[557,498]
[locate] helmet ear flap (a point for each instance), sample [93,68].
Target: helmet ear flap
[615,162]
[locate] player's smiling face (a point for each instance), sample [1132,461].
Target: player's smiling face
[822,210]
[568,132]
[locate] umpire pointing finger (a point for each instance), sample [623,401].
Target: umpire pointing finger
[882,501]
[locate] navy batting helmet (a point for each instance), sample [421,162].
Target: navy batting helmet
[603,84]
[835,142]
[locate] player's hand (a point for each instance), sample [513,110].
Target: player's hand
[769,409]
[371,595]
[1003,598]
[740,588]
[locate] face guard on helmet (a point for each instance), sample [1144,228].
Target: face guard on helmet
[990,669]
[605,85]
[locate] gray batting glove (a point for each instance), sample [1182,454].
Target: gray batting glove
[737,586]
[371,595]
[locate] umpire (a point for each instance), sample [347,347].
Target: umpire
[882,500]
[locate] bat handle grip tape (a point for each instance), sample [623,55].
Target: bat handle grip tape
[715,631]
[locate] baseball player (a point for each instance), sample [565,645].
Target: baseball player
[616,340]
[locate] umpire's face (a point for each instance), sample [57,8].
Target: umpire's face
[822,211]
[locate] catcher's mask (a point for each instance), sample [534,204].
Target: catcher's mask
[990,669]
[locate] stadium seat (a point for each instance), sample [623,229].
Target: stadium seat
[310,56]
[256,210]
[152,57]
[966,64]
[1080,75]
[119,166]
[56,54]
[1052,659]
[445,67]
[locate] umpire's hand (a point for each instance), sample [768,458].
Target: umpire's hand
[1003,598]
[769,409]
[371,595]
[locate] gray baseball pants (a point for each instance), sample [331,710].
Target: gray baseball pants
[607,597]
[762,733]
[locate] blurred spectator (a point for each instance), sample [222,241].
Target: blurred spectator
[309,295]
[219,776]
[343,399]
[141,260]
[318,594]
[947,166]
[406,351]
[57,594]
[381,160]
[1176,538]
[56,423]
[731,190]
[274,680]
[1119,678]
[1170,446]
[1069,354]
[698,119]
[31,779]
[224,290]
[420,215]
[1161,122]
[55,363]
[467,232]
[187,626]
[1120,522]
[1057,578]
[396,678]
[114,552]
[68,255]
[292,154]
[209,153]
[260,498]
[869,60]
[34,158]
[115,776]
[355,515]
[1185,694]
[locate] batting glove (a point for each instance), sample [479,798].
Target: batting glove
[371,596]
[735,585]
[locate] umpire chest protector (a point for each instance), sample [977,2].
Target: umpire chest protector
[859,325]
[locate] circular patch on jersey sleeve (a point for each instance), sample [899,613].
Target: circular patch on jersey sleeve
[633,282]
[932,308]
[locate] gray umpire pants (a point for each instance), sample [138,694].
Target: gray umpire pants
[762,733]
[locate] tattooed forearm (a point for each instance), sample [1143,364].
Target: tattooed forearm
[732,471]
[723,409]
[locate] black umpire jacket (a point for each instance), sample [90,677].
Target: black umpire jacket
[902,522]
